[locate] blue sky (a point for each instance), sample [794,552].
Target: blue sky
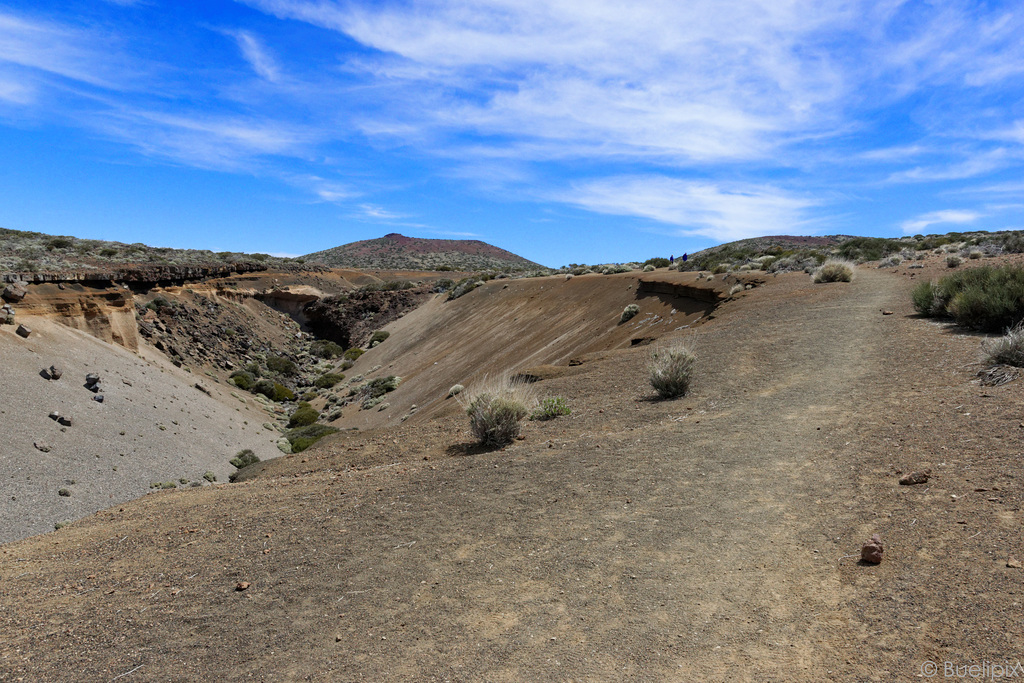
[586,131]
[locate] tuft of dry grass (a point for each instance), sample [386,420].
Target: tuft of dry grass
[671,370]
[496,407]
[834,270]
[1008,349]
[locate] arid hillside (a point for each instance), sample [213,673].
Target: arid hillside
[396,251]
[711,537]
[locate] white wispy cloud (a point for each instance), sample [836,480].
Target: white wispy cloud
[698,208]
[325,190]
[951,216]
[224,142]
[371,211]
[681,81]
[44,48]
[978,163]
[259,58]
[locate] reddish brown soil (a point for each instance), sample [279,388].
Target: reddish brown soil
[713,537]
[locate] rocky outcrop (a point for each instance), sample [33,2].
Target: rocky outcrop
[142,274]
[107,313]
[350,320]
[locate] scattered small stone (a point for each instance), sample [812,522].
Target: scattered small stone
[23,331]
[56,372]
[98,398]
[1013,563]
[64,420]
[125,382]
[42,446]
[54,415]
[872,551]
[91,378]
[242,585]
[912,478]
[886,312]
[65,493]
[201,387]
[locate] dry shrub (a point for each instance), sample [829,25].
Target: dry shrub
[496,408]
[1008,349]
[671,370]
[834,270]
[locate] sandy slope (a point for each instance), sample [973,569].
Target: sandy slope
[708,538]
[153,426]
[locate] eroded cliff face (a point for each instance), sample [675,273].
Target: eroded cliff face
[105,312]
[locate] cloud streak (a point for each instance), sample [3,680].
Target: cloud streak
[697,208]
[949,216]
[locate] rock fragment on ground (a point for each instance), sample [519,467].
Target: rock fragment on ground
[872,551]
[14,292]
[56,371]
[40,446]
[912,478]
[24,331]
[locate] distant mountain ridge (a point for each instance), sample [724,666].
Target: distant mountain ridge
[398,252]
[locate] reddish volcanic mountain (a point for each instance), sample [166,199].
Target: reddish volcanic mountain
[394,251]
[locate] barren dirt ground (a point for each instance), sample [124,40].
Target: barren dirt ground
[715,537]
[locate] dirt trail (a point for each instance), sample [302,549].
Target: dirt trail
[696,539]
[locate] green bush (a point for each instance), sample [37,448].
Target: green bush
[376,388]
[464,287]
[158,303]
[244,458]
[275,391]
[304,415]
[323,348]
[302,438]
[281,365]
[869,248]
[379,336]
[657,262]
[550,408]
[282,393]
[354,353]
[328,380]
[243,379]
[953,261]
[265,387]
[989,299]
[58,243]
[628,313]
[671,370]
[924,298]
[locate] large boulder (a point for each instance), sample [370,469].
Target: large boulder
[14,292]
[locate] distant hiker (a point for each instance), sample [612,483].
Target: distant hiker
[684,257]
[671,259]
